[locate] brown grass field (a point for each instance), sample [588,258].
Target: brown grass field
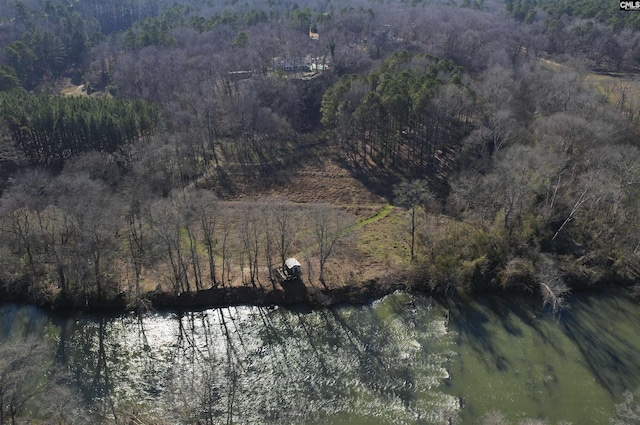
[374,247]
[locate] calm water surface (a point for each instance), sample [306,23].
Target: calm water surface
[399,360]
[512,357]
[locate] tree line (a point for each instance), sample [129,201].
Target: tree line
[544,198]
[601,11]
[46,41]
[51,129]
[74,240]
[596,31]
[401,114]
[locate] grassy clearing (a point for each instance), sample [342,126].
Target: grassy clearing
[552,66]
[373,247]
[382,238]
[617,89]
[379,215]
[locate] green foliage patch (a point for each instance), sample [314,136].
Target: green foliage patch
[389,117]
[50,129]
[600,10]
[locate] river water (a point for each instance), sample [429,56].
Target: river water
[398,360]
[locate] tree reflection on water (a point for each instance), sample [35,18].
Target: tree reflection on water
[381,363]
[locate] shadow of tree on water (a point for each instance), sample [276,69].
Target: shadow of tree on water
[473,319]
[596,326]
[600,327]
[479,321]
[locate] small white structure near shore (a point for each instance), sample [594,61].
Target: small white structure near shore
[291,271]
[292,268]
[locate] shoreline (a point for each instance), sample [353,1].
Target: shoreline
[289,294]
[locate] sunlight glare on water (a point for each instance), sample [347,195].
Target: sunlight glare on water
[398,360]
[381,363]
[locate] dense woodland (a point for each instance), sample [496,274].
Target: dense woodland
[151,146]
[504,134]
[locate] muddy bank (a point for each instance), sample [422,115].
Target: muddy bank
[290,293]
[287,294]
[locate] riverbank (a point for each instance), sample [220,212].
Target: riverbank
[285,294]
[288,293]
[277,294]
[370,258]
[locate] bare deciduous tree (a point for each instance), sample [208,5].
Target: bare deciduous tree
[552,285]
[251,235]
[165,225]
[287,224]
[207,211]
[329,225]
[225,253]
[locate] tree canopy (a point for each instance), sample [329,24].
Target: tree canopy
[51,129]
[398,114]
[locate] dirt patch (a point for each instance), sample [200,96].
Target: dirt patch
[65,87]
[280,295]
[313,183]
[326,183]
